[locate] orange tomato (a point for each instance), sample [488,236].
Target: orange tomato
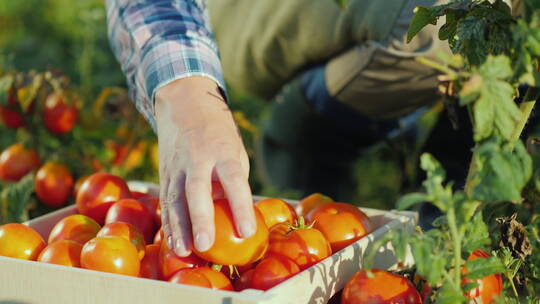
[128,232]
[150,263]
[111,254]
[133,212]
[229,248]
[489,287]
[97,194]
[76,227]
[383,288]
[272,271]
[16,161]
[53,184]
[194,276]
[276,211]
[20,242]
[342,224]
[63,252]
[78,184]
[305,246]
[189,276]
[310,202]
[59,117]
[169,262]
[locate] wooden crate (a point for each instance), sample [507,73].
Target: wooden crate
[28,282]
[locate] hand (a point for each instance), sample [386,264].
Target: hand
[199,145]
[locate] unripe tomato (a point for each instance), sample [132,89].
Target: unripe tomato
[383,288]
[169,262]
[133,212]
[63,252]
[195,277]
[276,211]
[310,202]
[9,115]
[76,227]
[244,281]
[305,246]
[97,194]
[20,242]
[16,161]
[150,263]
[58,117]
[128,232]
[229,248]
[342,224]
[272,271]
[111,254]
[489,287]
[53,184]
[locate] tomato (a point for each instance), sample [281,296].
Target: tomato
[138,195]
[383,288]
[20,242]
[489,287]
[244,281]
[342,224]
[150,263]
[152,204]
[78,184]
[9,114]
[53,184]
[310,202]
[276,211]
[272,271]
[128,232]
[229,248]
[112,254]
[64,252]
[76,227]
[169,262]
[159,236]
[191,277]
[16,161]
[305,246]
[133,212]
[98,192]
[58,117]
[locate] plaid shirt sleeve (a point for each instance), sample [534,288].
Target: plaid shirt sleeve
[158,41]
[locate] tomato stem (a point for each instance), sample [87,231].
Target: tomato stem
[217,267]
[452,224]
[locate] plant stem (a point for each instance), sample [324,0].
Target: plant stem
[456,238]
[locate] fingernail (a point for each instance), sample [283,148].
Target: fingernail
[246,229]
[170,243]
[202,241]
[180,249]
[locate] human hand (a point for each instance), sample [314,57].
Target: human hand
[199,145]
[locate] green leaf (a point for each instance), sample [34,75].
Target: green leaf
[15,198]
[5,85]
[449,295]
[422,17]
[470,286]
[465,208]
[438,194]
[475,234]
[483,267]
[411,199]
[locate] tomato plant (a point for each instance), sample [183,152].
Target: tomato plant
[76,227]
[54,184]
[489,287]
[10,113]
[16,161]
[59,117]
[63,252]
[112,254]
[20,241]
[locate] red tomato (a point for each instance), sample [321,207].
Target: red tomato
[58,117]
[489,287]
[310,202]
[78,184]
[133,212]
[276,211]
[244,281]
[137,195]
[305,246]
[128,232]
[20,242]
[16,161]
[189,276]
[53,184]
[383,288]
[229,248]
[112,254]
[150,263]
[9,114]
[152,204]
[64,252]
[76,227]
[159,236]
[272,271]
[342,224]
[98,192]
[169,262]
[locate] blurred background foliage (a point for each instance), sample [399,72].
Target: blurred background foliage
[70,37]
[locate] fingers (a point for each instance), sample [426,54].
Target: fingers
[201,206]
[165,222]
[235,183]
[179,221]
